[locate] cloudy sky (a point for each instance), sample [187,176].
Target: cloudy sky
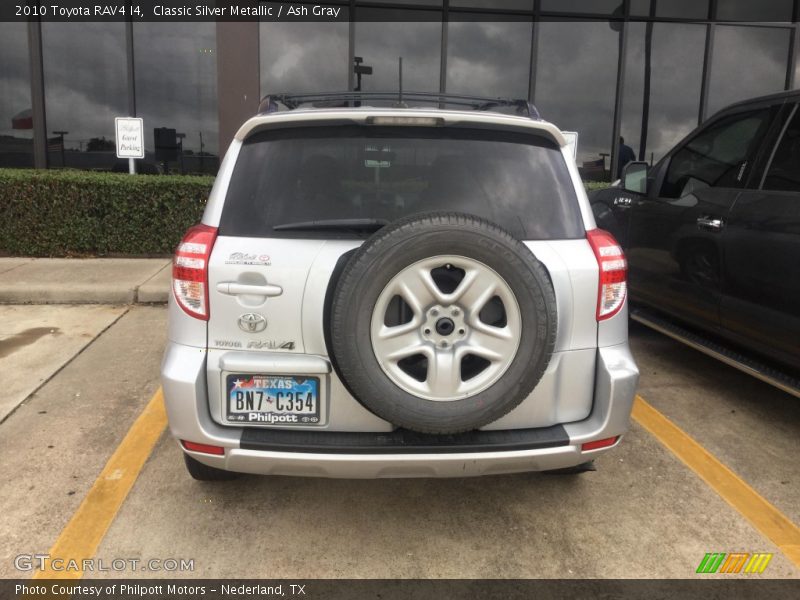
[15,86]
[575,71]
[86,80]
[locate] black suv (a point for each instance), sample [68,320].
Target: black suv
[712,234]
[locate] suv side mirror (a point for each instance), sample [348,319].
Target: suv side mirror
[634,177]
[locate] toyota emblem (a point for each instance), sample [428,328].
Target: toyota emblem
[252,322]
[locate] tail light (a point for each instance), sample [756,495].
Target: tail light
[190,270]
[613,273]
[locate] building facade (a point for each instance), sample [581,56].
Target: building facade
[645,70]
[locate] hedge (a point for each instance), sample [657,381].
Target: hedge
[78,213]
[595,185]
[83,213]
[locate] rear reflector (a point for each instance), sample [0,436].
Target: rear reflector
[204,448]
[597,444]
[613,284]
[190,270]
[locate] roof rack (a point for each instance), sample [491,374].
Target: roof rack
[270,103]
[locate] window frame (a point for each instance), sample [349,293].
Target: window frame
[790,112]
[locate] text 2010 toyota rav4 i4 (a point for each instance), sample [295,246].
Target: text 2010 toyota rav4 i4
[397,292]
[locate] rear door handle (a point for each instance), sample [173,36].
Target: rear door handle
[710,223]
[234,288]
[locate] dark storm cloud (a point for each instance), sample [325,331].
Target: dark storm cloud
[747,61]
[381,44]
[85,78]
[576,70]
[748,10]
[489,59]
[576,79]
[15,90]
[676,76]
[176,80]
[303,57]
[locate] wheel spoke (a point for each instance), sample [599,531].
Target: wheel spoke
[495,344]
[475,290]
[444,374]
[419,290]
[395,343]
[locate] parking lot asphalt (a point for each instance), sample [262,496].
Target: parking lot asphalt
[644,513]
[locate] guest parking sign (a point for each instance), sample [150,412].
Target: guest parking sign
[130,137]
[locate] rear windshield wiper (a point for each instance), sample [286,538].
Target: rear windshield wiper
[369,225]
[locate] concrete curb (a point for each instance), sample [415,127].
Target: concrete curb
[84,281]
[156,289]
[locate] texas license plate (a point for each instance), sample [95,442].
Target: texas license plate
[273,399]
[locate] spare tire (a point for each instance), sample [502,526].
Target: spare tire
[442,322]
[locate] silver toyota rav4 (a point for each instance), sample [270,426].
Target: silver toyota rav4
[397,291]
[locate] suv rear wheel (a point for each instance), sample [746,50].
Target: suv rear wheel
[442,322]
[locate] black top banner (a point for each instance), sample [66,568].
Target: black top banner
[65,11]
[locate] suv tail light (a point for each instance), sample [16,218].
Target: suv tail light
[613,273]
[190,270]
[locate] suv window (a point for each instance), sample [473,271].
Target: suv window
[784,170]
[296,175]
[717,156]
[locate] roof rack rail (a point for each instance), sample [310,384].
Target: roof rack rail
[270,103]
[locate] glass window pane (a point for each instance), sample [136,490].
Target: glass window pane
[489,59]
[319,174]
[495,4]
[576,74]
[747,62]
[714,157]
[85,88]
[176,88]
[16,122]
[797,67]
[671,9]
[411,2]
[748,10]
[602,7]
[784,174]
[676,75]
[640,8]
[381,44]
[303,57]
[417,2]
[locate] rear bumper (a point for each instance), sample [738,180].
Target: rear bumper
[185,394]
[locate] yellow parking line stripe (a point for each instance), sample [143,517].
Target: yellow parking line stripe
[82,535]
[771,522]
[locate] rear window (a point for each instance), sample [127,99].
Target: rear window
[297,175]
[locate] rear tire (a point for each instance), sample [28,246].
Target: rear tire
[202,472]
[442,323]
